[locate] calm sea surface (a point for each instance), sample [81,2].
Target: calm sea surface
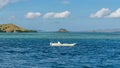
[32,50]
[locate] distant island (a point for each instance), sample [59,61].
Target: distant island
[116,30]
[62,30]
[13,28]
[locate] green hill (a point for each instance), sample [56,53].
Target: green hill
[13,28]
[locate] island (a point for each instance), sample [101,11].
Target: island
[13,28]
[62,30]
[114,30]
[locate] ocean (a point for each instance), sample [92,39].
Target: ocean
[32,50]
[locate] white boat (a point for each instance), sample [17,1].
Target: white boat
[60,44]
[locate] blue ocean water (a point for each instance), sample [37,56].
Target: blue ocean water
[32,50]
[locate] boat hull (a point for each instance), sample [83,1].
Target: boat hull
[56,44]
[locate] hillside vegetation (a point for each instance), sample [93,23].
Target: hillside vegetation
[12,28]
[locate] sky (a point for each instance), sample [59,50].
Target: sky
[51,15]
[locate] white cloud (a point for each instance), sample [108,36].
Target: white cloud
[115,14]
[101,13]
[3,3]
[12,17]
[65,2]
[64,14]
[31,15]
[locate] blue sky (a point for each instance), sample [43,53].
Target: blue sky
[51,15]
